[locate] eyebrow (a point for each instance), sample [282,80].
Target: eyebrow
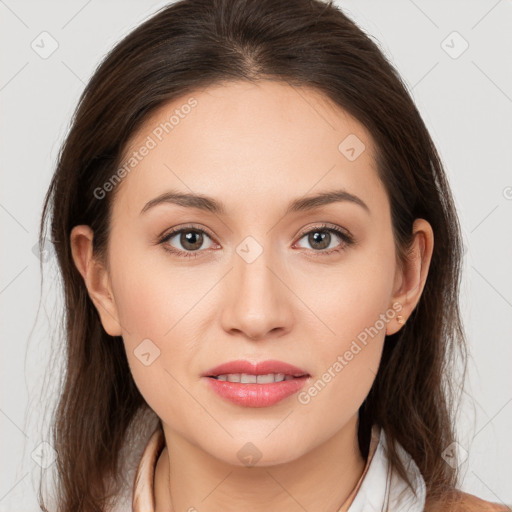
[210,204]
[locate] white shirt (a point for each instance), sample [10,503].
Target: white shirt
[383,490]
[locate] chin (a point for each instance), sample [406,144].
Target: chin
[254,451]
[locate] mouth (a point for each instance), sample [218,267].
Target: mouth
[248,378]
[247,371]
[256,384]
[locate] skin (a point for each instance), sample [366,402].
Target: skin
[255,147]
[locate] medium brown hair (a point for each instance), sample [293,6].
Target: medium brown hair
[190,45]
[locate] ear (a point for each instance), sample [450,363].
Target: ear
[96,278]
[411,279]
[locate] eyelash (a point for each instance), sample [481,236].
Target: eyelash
[347,239]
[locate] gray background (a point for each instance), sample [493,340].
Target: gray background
[465,100]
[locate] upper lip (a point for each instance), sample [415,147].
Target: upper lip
[255,368]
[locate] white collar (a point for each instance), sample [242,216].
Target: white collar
[383,490]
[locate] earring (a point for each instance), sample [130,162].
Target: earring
[400,319]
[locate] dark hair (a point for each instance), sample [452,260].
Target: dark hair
[190,45]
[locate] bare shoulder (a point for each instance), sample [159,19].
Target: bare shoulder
[460,501]
[470,502]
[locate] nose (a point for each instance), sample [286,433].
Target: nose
[258,302]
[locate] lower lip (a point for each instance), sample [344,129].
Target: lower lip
[256,395]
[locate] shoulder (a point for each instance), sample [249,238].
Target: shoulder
[459,501]
[469,502]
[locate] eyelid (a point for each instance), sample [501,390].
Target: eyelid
[177,229]
[327,226]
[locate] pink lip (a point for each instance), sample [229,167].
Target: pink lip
[260,368]
[256,395]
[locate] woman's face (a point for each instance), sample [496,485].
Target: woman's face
[260,280]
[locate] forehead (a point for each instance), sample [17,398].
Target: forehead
[244,142]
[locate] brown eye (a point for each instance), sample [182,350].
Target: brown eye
[322,241]
[319,239]
[185,240]
[191,240]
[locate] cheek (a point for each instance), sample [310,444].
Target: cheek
[153,294]
[164,313]
[346,364]
[350,301]
[155,309]
[354,308]
[150,299]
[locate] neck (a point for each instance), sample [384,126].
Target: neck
[187,478]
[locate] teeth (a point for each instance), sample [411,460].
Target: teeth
[246,378]
[270,377]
